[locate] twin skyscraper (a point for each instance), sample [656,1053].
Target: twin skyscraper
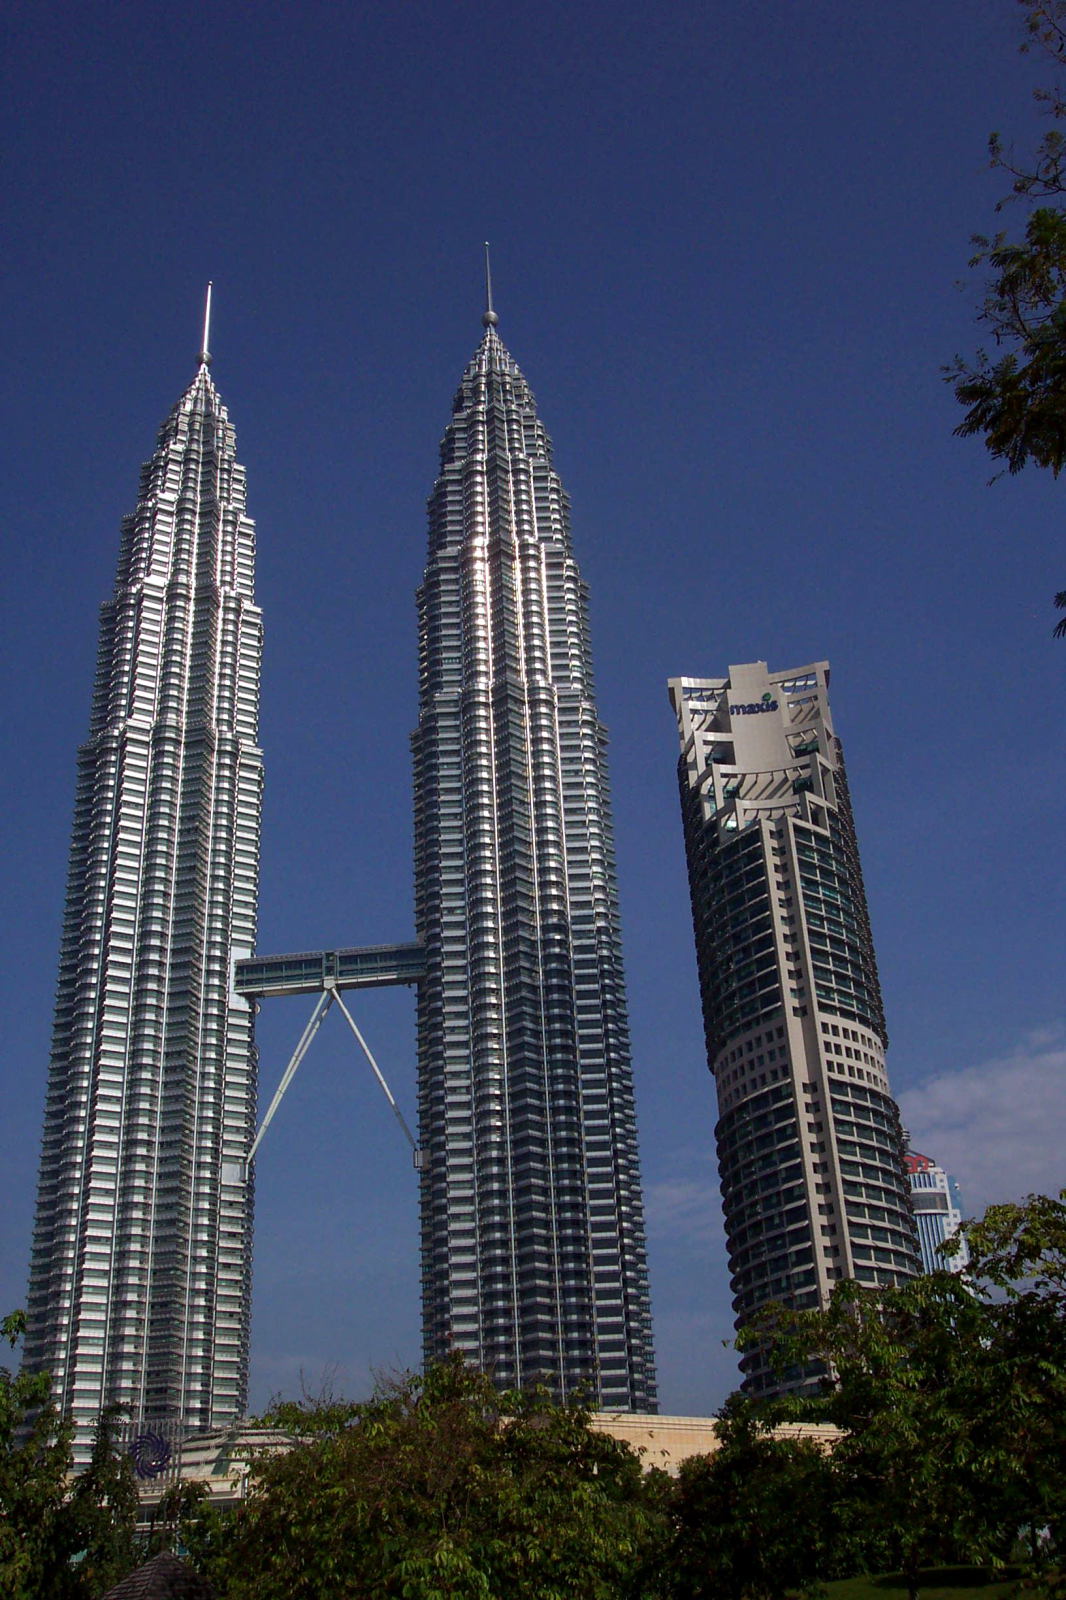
[533,1249]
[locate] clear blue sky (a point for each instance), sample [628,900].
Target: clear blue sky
[727,241]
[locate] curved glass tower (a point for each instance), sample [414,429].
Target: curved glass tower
[139,1285]
[532,1218]
[810,1148]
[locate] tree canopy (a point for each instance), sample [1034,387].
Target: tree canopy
[950,1393]
[58,1543]
[1015,396]
[439,1486]
[758,1519]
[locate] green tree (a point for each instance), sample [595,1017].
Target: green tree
[757,1520]
[1015,397]
[102,1509]
[37,1540]
[58,1541]
[915,1464]
[1018,1259]
[1017,400]
[438,1486]
[950,1394]
[178,1516]
[1020,1249]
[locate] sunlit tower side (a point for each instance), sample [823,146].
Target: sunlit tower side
[140,1274]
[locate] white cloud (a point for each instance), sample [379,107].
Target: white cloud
[689,1208]
[685,1205]
[997,1126]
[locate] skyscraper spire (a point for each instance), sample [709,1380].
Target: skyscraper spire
[205,348]
[490,319]
[139,1282]
[532,1219]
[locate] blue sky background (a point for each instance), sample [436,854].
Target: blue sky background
[728,240]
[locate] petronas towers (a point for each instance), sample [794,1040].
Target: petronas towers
[532,1230]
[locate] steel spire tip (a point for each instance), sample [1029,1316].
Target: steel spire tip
[490,319]
[205,349]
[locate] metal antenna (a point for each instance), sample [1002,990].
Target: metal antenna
[490,319]
[205,349]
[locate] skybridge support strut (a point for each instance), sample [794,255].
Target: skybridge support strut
[329,995]
[325,1000]
[397,1113]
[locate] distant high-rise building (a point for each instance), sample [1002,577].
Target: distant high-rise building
[810,1147]
[938,1210]
[533,1255]
[139,1283]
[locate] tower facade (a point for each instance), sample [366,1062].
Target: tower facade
[533,1255]
[938,1213]
[140,1275]
[810,1147]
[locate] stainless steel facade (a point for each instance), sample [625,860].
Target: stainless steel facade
[533,1255]
[810,1147]
[140,1276]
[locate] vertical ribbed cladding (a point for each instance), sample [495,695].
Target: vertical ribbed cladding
[532,1222]
[140,1280]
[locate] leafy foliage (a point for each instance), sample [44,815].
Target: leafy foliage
[1043,31]
[178,1515]
[35,1539]
[949,1393]
[951,1397]
[1021,1249]
[58,1543]
[439,1486]
[1019,1253]
[759,1519]
[1016,400]
[102,1510]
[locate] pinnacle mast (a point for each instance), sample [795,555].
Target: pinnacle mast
[205,348]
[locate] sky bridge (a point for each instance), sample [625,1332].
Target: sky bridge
[311,972]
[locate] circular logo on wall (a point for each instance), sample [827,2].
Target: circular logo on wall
[150,1453]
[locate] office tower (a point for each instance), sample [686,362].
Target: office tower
[938,1212]
[810,1148]
[533,1258]
[139,1283]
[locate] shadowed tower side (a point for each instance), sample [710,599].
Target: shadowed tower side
[533,1255]
[140,1276]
